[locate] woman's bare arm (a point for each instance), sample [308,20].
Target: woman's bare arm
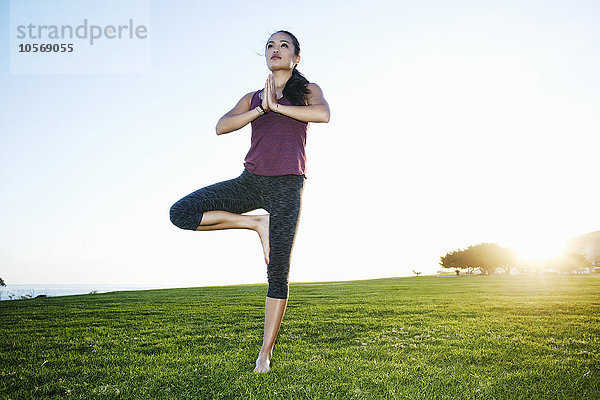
[239,116]
[317,109]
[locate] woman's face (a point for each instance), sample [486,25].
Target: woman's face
[280,52]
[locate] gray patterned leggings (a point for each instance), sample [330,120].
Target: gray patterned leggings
[280,196]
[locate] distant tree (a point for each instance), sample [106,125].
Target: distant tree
[529,266]
[569,262]
[2,283]
[485,256]
[511,258]
[581,261]
[416,273]
[489,256]
[454,259]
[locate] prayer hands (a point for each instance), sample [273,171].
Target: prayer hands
[269,101]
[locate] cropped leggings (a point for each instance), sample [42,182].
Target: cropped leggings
[280,196]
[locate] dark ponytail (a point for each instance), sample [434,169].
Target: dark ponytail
[296,88]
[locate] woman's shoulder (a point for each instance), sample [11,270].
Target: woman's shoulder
[253,98]
[312,86]
[250,95]
[248,98]
[315,94]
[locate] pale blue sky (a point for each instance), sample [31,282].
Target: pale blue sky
[452,123]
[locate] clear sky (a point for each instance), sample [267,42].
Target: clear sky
[452,123]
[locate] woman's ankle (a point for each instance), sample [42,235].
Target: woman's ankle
[268,354]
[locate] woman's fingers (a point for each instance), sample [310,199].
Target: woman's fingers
[265,94]
[272,88]
[269,92]
[273,93]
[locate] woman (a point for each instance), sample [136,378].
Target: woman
[273,175]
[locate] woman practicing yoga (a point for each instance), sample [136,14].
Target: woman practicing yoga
[273,175]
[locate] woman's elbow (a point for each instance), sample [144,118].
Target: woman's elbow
[325,113]
[219,128]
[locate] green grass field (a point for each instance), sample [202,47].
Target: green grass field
[478,337]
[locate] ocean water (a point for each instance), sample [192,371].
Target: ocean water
[9,292]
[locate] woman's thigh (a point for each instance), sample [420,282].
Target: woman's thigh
[235,195]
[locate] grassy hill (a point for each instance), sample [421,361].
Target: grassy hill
[478,337]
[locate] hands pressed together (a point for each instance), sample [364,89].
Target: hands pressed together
[269,101]
[317,109]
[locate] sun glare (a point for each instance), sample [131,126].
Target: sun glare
[538,249]
[537,253]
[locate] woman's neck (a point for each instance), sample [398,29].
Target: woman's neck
[281,77]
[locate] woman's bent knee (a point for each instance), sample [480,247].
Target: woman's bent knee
[183,218]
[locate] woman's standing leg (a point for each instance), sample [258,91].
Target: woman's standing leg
[284,209]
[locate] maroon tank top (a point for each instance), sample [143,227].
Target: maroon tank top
[278,142]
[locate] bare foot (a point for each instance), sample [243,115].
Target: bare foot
[263,362]
[263,232]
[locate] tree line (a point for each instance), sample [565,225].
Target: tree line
[489,257]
